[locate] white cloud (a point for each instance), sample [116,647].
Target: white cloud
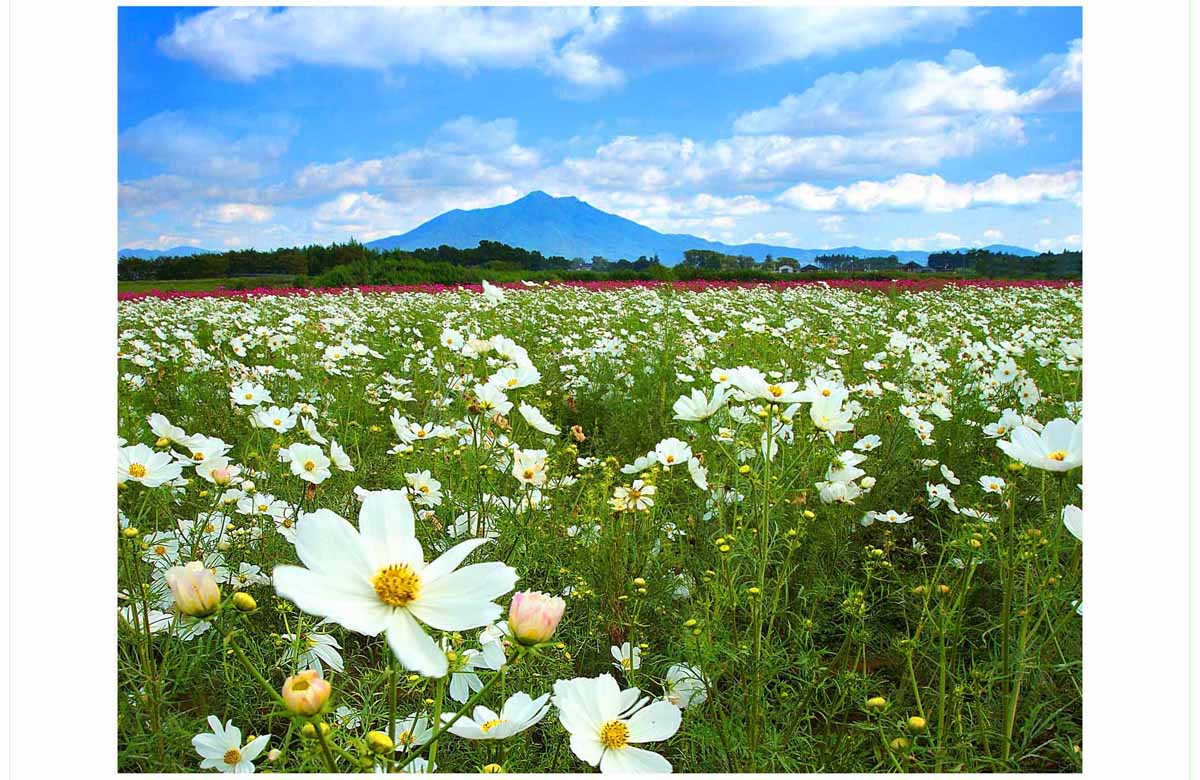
[1073,241]
[939,240]
[991,234]
[917,96]
[240,212]
[912,191]
[184,146]
[831,224]
[592,49]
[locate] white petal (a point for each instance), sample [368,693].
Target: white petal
[414,648]
[478,582]
[587,748]
[655,723]
[634,761]
[449,560]
[328,544]
[386,524]
[352,604]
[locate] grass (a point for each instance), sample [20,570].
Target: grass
[204,285]
[796,613]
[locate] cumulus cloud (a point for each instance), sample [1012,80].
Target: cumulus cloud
[184,145]
[592,49]
[912,191]
[920,96]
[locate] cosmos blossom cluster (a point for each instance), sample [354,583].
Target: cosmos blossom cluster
[412,526]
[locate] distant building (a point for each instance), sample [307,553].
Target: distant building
[786,269]
[810,267]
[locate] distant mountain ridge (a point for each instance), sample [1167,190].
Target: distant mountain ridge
[570,227]
[154,254]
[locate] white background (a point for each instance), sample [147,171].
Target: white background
[62,320]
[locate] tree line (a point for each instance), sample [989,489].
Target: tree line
[354,263]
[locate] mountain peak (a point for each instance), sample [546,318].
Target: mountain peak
[570,227]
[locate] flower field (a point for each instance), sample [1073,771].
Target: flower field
[626,528]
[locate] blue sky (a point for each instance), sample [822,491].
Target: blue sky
[889,127]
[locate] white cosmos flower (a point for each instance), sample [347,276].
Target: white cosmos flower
[161,427]
[492,399]
[627,658]
[1072,517]
[1059,447]
[698,406]
[518,713]
[375,580]
[698,473]
[310,428]
[684,686]
[537,420]
[307,461]
[141,464]
[641,464]
[411,732]
[339,457]
[222,748]
[606,724]
[274,417]
[992,484]
[249,394]
[671,452]
[492,292]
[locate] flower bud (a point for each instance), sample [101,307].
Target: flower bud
[493,769]
[306,693]
[130,533]
[162,441]
[916,724]
[194,588]
[220,476]
[244,602]
[274,755]
[876,703]
[533,616]
[379,742]
[309,731]
[899,744]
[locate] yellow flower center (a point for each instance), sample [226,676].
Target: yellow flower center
[491,724]
[670,459]
[197,456]
[723,378]
[827,392]
[160,549]
[287,522]
[137,470]
[775,390]
[309,465]
[626,662]
[614,734]
[249,396]
[397,585]
[405,738]
[262,507]
[232,756]
[278,421]
[528,473]
[1059,455]
[512,382]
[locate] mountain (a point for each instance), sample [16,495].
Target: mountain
[154,254]
[571,228]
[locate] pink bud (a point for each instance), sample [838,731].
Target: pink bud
[220,476]
[533,616]
[194,588]
[306,693]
